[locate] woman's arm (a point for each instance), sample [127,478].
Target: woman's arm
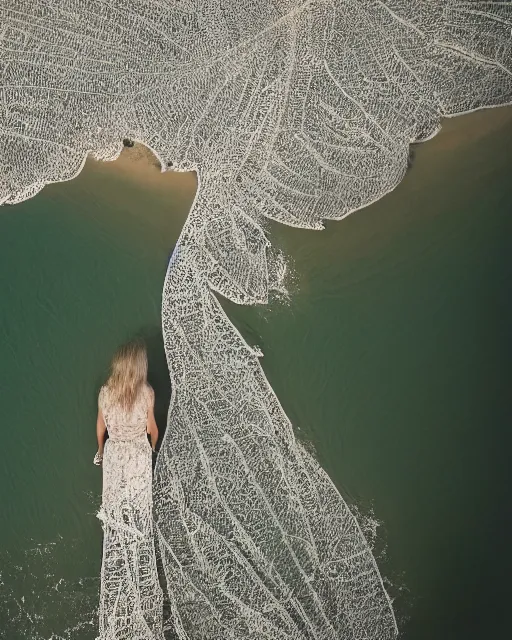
[152,428]
[101,429]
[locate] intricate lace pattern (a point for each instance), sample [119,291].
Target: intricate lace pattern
[297,111]
[131,598]
[122,424]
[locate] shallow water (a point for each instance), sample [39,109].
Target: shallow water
[391,358]
[82,269]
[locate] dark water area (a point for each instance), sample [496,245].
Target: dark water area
[391,358]
[82,268]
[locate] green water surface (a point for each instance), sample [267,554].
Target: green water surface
[391,358]
[82,268]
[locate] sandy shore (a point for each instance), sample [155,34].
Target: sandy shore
[462,130]
[140,165]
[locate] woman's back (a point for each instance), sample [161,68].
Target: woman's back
[130,596]
[122,423]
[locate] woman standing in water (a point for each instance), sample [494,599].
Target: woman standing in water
[130,598]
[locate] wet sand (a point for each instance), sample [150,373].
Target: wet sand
[139,165]
[471,127]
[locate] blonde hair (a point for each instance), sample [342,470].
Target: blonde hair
[128,375]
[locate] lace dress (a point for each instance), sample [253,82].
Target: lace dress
[130,597]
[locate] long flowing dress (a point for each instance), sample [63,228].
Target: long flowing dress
[130,596]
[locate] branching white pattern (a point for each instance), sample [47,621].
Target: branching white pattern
[130,594]
[297,111]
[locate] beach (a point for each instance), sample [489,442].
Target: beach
[138,164]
